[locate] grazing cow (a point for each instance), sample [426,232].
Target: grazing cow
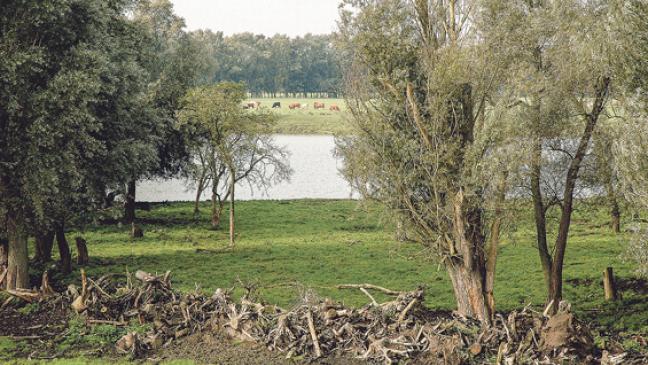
[254,105]
[334,108]
[276,104]
[318,105]
[293,106]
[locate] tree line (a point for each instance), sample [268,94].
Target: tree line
[270,66]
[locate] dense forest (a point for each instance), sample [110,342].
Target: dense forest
[300,66]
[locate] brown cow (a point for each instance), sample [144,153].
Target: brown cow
[334,108]
[292,106]
[318,105]
[254,104]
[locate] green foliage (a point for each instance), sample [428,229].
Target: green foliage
[275,64]
[7,347]
[29,308]
[100,336]
[172,62]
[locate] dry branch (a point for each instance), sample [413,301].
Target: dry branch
[391,332]
[313,333]
[369,286]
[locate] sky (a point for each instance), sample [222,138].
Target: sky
[269,17]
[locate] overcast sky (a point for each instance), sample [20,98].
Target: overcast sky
[269,17]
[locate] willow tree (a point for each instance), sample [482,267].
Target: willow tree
[234,143]
[419,77]
[561,82]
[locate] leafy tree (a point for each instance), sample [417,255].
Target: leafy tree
[70,80]
[233,144]
[172,66]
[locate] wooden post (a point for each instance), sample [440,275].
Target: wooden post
[609,284]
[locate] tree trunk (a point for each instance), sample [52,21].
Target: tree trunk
[401,232]
[4,252]
[64,250]
[44,244]
[231,212]
[197,201]
[129,206]
[17,258]
[493,247]
[616,219]
[82,251]
[468,273]
[469,292]
[615,211]
[4,258]
[555,292]
[540,214]
[217,210]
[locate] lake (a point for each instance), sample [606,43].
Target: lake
[315,176]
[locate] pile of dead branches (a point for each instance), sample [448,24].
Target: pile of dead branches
[399,329]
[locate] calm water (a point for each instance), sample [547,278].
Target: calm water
[315,176]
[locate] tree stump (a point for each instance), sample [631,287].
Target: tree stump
[82,251]
[609,285]
[136,231]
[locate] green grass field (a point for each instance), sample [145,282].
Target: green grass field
[308,120]
[286,247]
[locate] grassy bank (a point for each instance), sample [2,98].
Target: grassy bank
[308,120]
[289,246]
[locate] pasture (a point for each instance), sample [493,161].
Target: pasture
[287,247]
[307,120]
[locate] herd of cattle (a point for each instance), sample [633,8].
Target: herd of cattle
[292,106]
